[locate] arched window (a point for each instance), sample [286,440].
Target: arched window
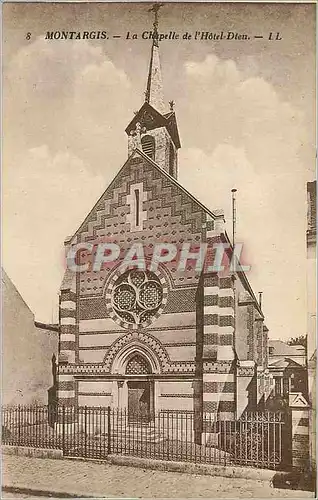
[138,365]
[148,146]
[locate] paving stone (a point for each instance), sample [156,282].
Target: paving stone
[105,480]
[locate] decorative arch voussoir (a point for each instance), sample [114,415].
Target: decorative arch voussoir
[141,338]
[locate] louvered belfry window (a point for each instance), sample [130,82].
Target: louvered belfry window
[148,146]
[137,365]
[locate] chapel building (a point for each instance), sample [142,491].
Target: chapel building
[144,340]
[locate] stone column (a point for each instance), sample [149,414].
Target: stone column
[120,385]
[218,346]
[67,346]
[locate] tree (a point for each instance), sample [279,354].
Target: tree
[301,340]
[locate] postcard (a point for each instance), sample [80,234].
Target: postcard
[159,249]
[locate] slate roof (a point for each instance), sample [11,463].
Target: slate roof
[283,349]
[167,120]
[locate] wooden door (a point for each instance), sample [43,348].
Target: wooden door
[138,400]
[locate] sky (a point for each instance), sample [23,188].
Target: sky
[245,111]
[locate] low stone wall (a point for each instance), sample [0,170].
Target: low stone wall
[193,468]
[25,451]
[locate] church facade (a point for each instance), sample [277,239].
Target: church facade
[157,338]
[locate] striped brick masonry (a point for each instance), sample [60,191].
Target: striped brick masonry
[219,391]
[300,430]
[218,318]
[218,397]
[66,389]
[67,346]
[218,346]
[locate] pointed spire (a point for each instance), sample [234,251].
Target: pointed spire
[154,91]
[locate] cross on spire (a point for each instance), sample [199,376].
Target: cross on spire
[154,90]
[154,125]
[155,9]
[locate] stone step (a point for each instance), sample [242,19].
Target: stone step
[138,434]
[134,434]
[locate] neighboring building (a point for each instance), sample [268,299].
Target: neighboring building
[27,352]
[279,350]
[162,339]
[287,366]
[311,311]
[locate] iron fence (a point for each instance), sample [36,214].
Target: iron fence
[257,439]
[29,426]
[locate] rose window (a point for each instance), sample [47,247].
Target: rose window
[137,296]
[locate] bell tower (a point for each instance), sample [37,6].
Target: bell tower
[154,129]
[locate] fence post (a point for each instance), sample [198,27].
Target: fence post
[85,430]
[286,438]
[168,434]
[108,431]
[63,429]
[19,425]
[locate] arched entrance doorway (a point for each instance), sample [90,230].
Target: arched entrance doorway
[140,388]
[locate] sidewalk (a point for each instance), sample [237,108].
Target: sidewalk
[91,479]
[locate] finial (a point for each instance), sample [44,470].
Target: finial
[155,8]
[171,104]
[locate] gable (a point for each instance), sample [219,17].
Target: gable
[297,400]
[150,118]
[168,214]
[284,363]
